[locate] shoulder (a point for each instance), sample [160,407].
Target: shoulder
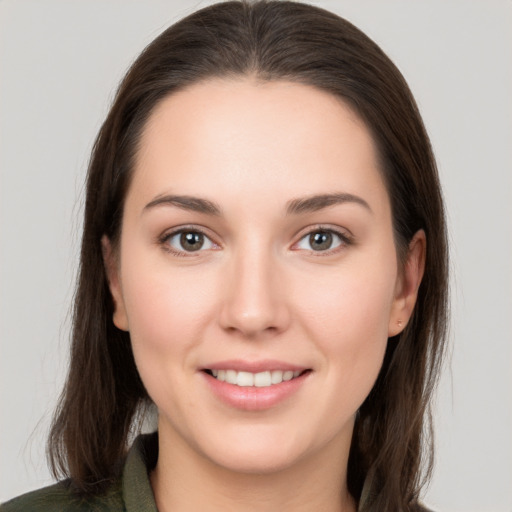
[132,491]
[59,497]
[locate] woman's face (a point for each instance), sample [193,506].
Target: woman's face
[258,275]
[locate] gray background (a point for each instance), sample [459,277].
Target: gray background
[60,62]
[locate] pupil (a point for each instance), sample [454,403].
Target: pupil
[192,241]
[320,240]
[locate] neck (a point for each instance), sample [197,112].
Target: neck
[185,481]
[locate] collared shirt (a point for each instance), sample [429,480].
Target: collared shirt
[131,493]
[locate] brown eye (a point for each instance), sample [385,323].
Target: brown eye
[181,242]
[191,241]
[322,240]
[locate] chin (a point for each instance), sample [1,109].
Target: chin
[258,452]
[258,462]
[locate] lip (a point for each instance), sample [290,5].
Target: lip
[254,398]
[254,366]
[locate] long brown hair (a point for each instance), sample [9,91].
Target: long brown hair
[271,40]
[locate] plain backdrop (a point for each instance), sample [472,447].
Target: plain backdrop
[60,62]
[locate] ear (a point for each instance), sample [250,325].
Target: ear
[408,283]
[111,263]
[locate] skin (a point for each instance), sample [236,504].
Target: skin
[258,290]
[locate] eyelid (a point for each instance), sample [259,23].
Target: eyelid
[344,234]
[193,228]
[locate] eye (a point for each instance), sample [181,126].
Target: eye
[321,240]
[187,241]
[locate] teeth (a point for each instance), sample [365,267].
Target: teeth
[287,375]
[259,380]
[244,379]
[276,377]
[231,376]
[262,379]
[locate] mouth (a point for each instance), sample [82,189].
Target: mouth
[255,385]
[259,380]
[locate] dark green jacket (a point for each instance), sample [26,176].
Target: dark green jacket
[131,494]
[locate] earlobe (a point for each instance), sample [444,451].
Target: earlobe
[408,284]
[110,262]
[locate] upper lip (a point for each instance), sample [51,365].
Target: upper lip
[254,366]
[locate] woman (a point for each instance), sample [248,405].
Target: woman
[264,259]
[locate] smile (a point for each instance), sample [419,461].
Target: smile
[249,379]
[255,386]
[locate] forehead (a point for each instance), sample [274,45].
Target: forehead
[241,135]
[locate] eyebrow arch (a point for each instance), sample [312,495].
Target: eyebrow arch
[195,204]
[293,207]
[319,202]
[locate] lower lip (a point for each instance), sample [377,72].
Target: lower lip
[252,398]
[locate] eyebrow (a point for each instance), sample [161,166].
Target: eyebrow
[293,207]
[195,204]
[319,202]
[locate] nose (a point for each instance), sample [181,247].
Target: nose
[254,299]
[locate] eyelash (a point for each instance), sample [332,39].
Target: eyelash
[345,240]
[166,237]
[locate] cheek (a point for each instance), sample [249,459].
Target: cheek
[167,312]
[352,303]
[347,315]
